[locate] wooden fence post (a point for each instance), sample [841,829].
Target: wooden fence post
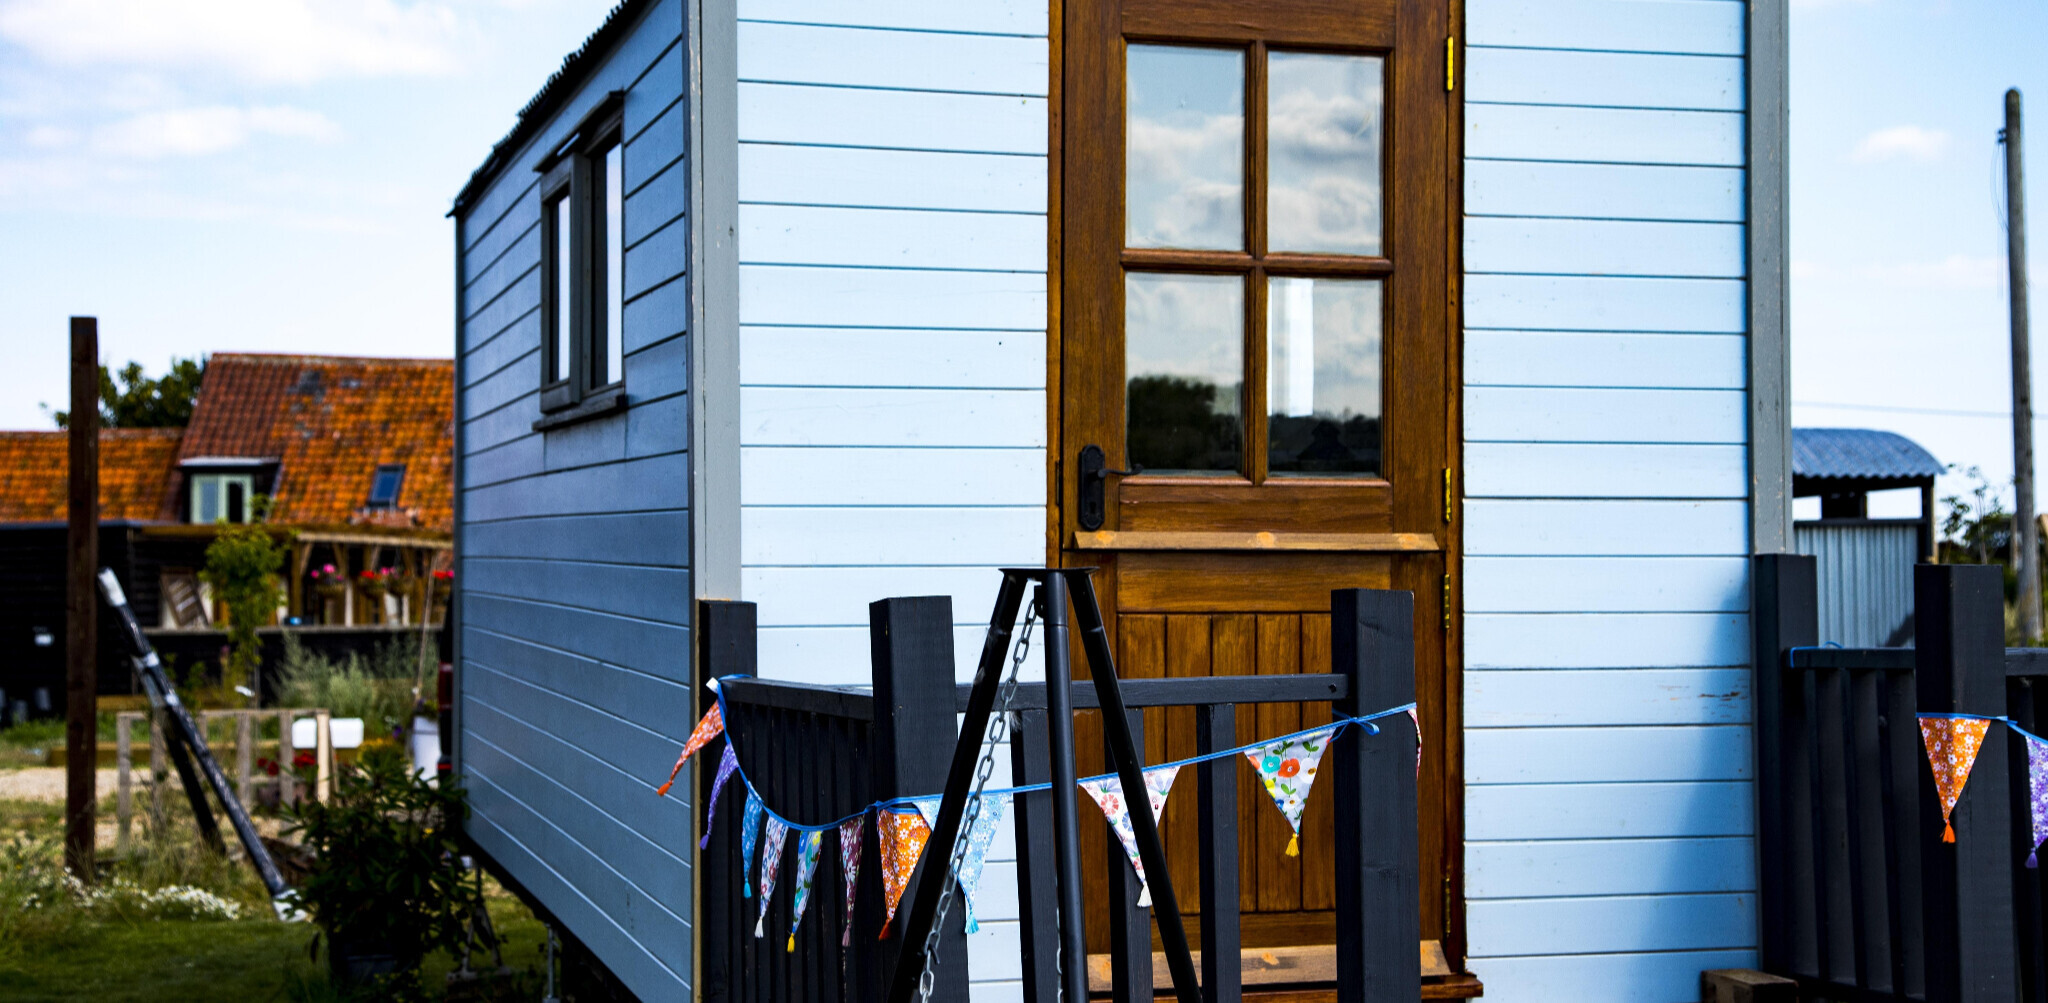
[1959,667]
[1372,641]
[287,791]
[726,646]
[1784,614]
[911,648]
[124,764]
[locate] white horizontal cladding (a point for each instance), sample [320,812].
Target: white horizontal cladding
[891,179]
[881,416]
[1602,79]
[892,357]
[1607,754]
[1608,867]
[1603,135]
[1577,414]
[882,297]
[1606,359]
[1596,470]
[1605,640]
[911,477]
[1562,698]
[1602,191]
[897,60]
[1605,303]
[839,656]
[1610,924]
[1607,584]
[891,238]
[1609,811]
[1699,27]
[893,120]
[1606,527]
[996,17]
[839,597]
[983,536]
[1655,249]
[1638,977]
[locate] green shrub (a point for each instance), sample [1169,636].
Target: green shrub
[377,689]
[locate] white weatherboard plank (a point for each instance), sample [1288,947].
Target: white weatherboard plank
[1607,584]
[1659,977]
[891,179]
[1602,191]
[1617,754]
[1605,640]
[1014,17]
[1519,244]
[1602,79]
[1712,27]
[1502,698]
[901,120]
[1583,359]
[789,416]
[1603,135]
[867,297]
[1601,303]
[1575,470]
[839,597]
[1572,414]
[1613,925]
[996,953]
[839,656]
[909,60]
[870,357]
[848,536]
[799,475]
[1609,811]
[891,238]
[1609,867]
[1605,527]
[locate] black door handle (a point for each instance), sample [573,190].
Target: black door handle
[1094,472]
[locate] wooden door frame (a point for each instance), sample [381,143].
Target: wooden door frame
[1451,826]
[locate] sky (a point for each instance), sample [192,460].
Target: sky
[272,175]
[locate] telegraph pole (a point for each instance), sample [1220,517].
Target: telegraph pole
[2022,389]
[81,603]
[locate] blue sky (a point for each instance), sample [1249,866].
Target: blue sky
[271,175]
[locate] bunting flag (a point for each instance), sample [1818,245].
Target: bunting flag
[750,821]
[771,865]
[1952,744]
[929,809]
[727,763]
[849,871]
[902,835]
[807,846]
[1108,793]
[2037,794]
[712,725]
[978,839]
[1417,722]
[1288,768]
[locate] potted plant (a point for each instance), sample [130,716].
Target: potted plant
[386,885]
[327,581]
[444,586]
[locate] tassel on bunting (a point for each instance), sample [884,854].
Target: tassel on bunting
[750,820]
[1108,793]
[1287,769]
[771,865]
[1952,745]
[807,846]
[849,871]
[708,728]
[727,763]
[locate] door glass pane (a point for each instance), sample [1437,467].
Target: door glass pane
[1184,367]
[614,266]
[1323,153]
[1184,148]
[1323,377]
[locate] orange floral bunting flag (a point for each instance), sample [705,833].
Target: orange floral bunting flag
[903,835]
[1952,744]
[707,729]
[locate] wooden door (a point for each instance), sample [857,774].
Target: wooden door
[1254,361]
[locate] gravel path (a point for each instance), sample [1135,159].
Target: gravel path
[46,783]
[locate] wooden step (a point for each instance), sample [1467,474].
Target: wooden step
[1298,974]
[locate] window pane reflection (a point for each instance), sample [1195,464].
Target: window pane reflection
[564,307]
[1323,150]
[614,267]
[1323,377]
[1184,366]
[1184,148]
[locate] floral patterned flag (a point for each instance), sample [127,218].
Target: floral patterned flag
[849,871]
[903,835]
[978,839]
[2037,794]
[1952,745]
[771,865]
[1287,768]
[750,821]
[707,729]
[929,808]
[1417,722]
[807,846]
[1108,793]
[726,764]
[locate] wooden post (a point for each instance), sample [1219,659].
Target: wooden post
[1372,641]
[81,607]
[725,647]
[244,764]
[1037,901]
[1784,614]
[1130,925]
[1222,955]
[124,722]
[1959,667]
[157,774]
[287,781]
[323,755]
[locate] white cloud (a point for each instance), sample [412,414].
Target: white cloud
[198,131]
[1909,142]
[51,137]
[277,41]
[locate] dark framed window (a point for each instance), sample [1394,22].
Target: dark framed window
[582,195]
[385,485]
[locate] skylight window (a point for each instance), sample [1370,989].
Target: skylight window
[385,485]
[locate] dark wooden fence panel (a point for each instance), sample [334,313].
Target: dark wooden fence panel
[2026,702]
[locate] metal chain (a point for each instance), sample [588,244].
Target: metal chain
[998,732]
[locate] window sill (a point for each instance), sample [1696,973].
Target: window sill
[606,402]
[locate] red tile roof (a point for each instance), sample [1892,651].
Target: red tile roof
[135,468]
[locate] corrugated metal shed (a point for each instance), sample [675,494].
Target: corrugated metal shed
[1866,578]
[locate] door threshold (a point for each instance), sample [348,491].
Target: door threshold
[1306,974]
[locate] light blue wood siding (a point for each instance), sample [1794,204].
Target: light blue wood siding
[575,544]
[1609,849]
[892,301]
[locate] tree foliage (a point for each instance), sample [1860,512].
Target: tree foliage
[242,565]
[132,399]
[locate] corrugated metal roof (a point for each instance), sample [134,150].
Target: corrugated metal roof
[1861,453]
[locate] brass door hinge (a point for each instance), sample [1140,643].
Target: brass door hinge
[1447,496]
[1447,602]
[1450,62]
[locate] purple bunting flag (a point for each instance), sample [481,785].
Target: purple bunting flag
[849,870]
[2037,794]
[726,764]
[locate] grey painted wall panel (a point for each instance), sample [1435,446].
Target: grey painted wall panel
[652,539]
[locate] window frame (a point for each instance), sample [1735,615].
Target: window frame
[574,172]
[218,483]
[397,491]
